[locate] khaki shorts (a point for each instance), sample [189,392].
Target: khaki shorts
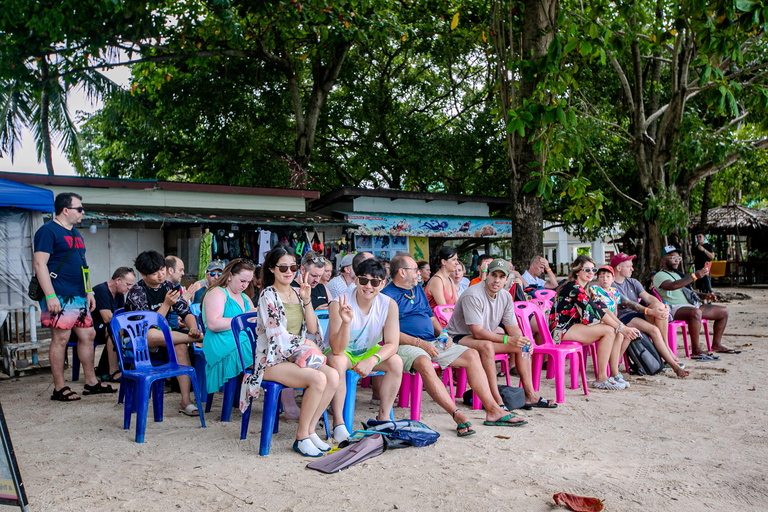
[677,307]
[409,353]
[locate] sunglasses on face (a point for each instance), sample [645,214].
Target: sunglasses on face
[80,209]
[285,268]
[214,274]
[365,280]
[589,270]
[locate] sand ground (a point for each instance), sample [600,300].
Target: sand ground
[664,444]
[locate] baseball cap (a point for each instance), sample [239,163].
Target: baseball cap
[606,268]
[621,258]
[215,265]
[347,260]
[499,264]
[668,249]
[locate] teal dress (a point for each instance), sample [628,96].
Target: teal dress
[221,359]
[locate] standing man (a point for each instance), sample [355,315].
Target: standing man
[346,277]
[62,271]
[110,296]
[540,265]
[702,253]
[670,286]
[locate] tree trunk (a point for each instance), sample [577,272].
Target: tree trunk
[45,106]
[705,200]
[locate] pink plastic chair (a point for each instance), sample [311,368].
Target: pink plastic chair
[443,313]
[412,386]
[672,332]
[556,353]
[547,295]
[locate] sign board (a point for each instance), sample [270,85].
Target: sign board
[11,487]
[391,224]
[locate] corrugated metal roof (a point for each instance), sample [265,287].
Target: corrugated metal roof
[221,217]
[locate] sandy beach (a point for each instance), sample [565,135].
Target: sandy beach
[664,444]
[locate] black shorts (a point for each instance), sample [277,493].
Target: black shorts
[631,316]
[457,338]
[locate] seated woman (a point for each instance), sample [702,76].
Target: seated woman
[575,317]
[228,296]
[441,289]
[357,324]
[461,282]
[286,320]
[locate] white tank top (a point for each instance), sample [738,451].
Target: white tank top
[365,331]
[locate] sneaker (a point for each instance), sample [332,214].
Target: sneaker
[607,384]
[620,379]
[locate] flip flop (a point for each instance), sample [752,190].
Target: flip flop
[704,357]
[728,351]
[467,426]
[542,403]
[503,422]
[190,410]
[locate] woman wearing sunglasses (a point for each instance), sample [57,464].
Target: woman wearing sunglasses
[358,321]
[576,317]
[286,329]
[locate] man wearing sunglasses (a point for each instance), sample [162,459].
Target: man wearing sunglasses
[670,285]
[212,272]
[358,322]
[61,270]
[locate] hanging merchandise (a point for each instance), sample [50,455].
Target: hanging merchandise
[317,245]
[205,254]
[265,244]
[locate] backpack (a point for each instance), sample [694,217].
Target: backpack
[513,397]
[403,433]
[643,357]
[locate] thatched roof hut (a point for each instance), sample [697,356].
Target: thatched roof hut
[733,219]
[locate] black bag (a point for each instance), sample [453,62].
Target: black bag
[643,357]
[403,433]
[35,291]
[514,398]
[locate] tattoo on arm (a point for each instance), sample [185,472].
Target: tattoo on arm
[634,306]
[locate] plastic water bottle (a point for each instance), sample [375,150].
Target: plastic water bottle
[527,349]
[442,339]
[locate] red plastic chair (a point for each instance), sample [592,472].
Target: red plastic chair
[556,353]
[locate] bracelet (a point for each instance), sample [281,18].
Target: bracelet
[483,271]
[549,270]
[51,296]
[377,355]
[505,339]
[620,328]
[693,276]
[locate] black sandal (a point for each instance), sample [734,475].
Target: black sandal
[111,377]
[64,394]
[97,389]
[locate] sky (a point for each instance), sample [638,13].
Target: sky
[25,157]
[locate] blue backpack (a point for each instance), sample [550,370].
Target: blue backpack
[402,433]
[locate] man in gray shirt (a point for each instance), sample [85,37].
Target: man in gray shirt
[653,319]
[478,313]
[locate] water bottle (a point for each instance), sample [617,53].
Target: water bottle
[442,339]
[527,349]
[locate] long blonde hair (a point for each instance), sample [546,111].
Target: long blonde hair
[578,264]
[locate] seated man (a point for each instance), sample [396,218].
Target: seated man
[313,265]
[419,330]
[540,265]
[357,323]
[669,285]
[477,314]
[110,296]
[212,272]
[652,319]
[482,268]
[153,293]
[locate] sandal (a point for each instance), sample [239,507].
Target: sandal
[65,394]
[504,422]
[111,377]
[466,427]
[97,389]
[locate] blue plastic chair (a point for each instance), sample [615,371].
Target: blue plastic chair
[322,319]
[270,419]
[351,398]
[144,377]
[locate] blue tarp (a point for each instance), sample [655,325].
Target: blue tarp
[20,195]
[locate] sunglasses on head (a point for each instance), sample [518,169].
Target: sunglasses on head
[589,270]
[365,280]
[284,268]
[80,209]
[318,260]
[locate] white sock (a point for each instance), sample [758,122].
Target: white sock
[324,447]
[307,447]
[340,433]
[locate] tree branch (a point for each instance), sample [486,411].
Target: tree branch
[710,167]
[624,196]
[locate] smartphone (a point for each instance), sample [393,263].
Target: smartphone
[708,265]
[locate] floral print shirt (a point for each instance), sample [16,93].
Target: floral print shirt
[609,298]
[274,345]
[573,305]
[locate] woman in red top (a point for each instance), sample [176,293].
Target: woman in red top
[441,290]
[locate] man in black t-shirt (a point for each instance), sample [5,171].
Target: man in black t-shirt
[110,296]
[313,264]
[154,293]
[702,253]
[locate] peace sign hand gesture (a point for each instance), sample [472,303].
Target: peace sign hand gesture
[345,310]
[305,291]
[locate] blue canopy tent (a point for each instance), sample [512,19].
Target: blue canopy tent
[20,195]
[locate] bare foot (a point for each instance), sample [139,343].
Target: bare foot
[682,373]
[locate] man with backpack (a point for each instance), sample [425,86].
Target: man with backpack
[652,320]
